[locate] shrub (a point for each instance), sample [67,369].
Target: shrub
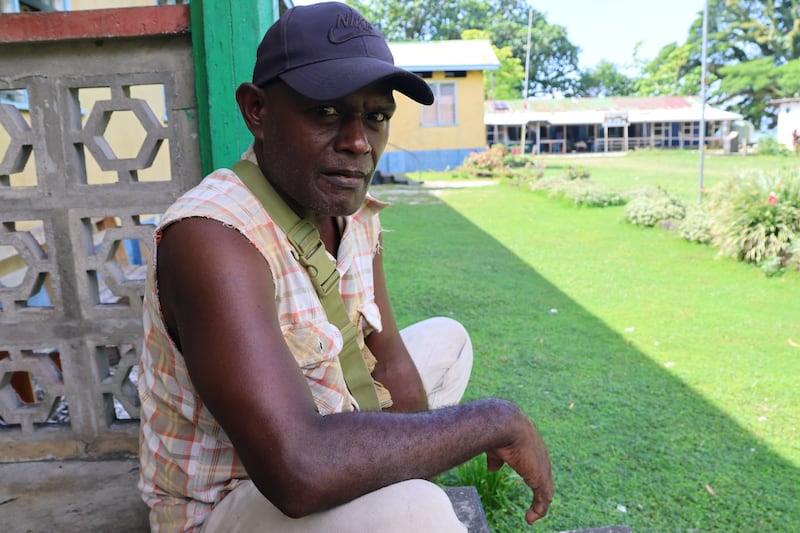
[582,192]
[519,161]
[649,206]
[487,163]
[578,173]
[771,266]
[770,146]
[497,161]
[758,218]
[793,261]
[696,225]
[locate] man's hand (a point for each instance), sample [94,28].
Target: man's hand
[527,455]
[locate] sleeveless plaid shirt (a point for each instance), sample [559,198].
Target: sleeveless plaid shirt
[187,461]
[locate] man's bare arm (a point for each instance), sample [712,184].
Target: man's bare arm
[218,299]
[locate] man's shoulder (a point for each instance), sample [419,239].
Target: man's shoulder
[220,195]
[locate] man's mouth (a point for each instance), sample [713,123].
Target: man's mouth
[348,179]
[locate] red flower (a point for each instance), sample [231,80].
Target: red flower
[773,199]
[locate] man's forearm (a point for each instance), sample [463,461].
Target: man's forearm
[367,451]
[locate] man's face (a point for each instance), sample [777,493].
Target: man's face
[320,155]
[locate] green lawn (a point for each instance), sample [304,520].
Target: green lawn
[677,171]
[665,380]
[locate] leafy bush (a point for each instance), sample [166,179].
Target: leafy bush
[497,161]
[793,261]
[513,160]
[649,206]
[578,173]
[583,192]
[771,266]
[758,218]
[696,225]
[770,146]
[490,162]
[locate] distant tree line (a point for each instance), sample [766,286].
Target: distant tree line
[753,51]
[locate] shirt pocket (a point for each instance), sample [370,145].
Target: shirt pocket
[312,344]
[315,348]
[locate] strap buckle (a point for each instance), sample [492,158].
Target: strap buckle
[311,253]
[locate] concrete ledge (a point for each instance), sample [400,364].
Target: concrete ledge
[72,497]
[468,508]
[94,23]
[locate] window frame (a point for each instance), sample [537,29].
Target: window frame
[436,107]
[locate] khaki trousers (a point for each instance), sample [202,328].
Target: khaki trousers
[442,351]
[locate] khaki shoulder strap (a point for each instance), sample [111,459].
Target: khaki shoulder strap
[310,252]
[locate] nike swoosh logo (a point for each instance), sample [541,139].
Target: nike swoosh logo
[339,35]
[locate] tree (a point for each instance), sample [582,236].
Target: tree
[605,80]
[754,43]
[553,59]
[789,80]
[407,20]
[755,83]
[671,73]
[753,46]
[506,82]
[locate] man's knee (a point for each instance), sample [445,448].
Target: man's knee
[450,333]
[451,327]
[418,504]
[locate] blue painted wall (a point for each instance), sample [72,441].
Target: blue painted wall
[408,162]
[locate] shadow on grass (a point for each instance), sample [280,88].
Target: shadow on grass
[630,443]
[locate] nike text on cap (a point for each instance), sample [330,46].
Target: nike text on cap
[327,51]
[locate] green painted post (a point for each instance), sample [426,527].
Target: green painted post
[225,35]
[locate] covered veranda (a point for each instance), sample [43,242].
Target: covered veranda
[609,130]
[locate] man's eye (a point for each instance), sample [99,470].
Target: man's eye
[326,111]
[379,116]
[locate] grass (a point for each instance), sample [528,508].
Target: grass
[664,379]
[678,171]
[675,170]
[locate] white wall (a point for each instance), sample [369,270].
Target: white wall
[788,121]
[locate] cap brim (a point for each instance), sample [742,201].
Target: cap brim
[336,78]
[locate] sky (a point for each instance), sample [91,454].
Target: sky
[609,29]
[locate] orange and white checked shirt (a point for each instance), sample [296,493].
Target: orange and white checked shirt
[188,464]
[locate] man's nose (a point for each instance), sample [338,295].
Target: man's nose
[353,137]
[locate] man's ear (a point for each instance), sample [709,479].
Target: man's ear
[251,100]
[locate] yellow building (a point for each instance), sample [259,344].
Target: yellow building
[440,136]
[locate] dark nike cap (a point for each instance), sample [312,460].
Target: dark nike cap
[326,51]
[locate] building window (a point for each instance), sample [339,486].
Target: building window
[443,110]
[22,6]
[19,97]
[16,97]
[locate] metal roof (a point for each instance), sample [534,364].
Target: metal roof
[430,56]
[574,111]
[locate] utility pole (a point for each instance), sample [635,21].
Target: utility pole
[703,84]
[527,78]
